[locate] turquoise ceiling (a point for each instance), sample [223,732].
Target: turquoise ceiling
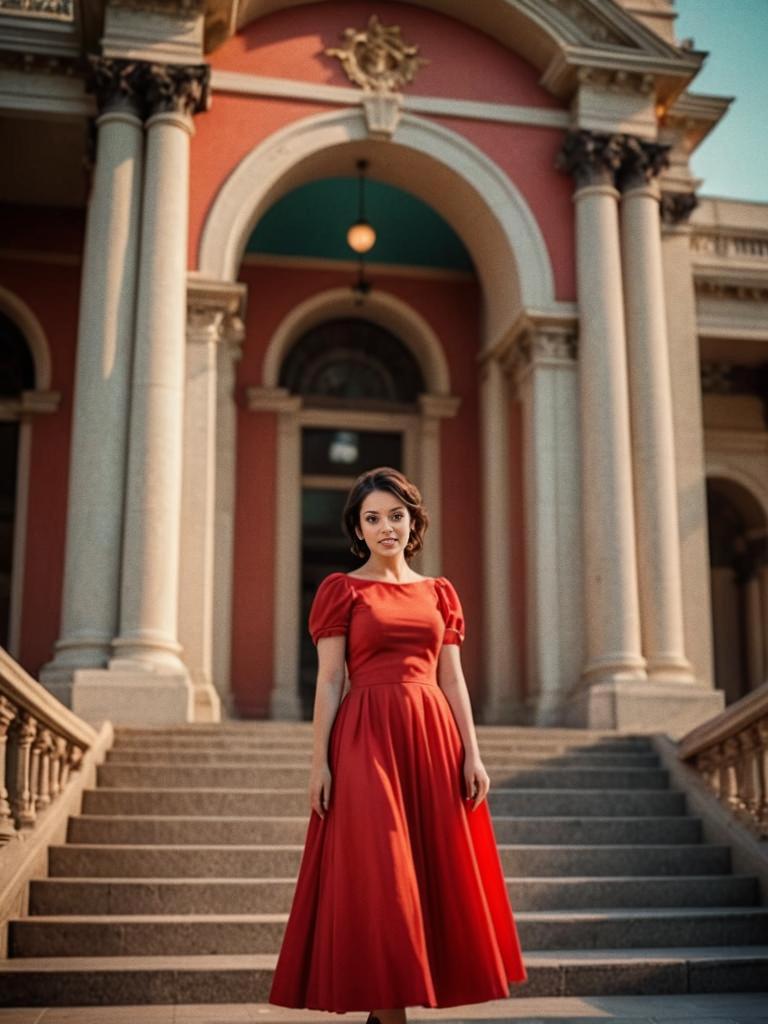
[312,221]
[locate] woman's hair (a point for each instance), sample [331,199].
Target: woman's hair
[384,478]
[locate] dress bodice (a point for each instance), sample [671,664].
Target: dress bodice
[394,630]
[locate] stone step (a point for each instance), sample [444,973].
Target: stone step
[169,775]
[220,830]
[50,896]
[206,935]
[295,801]
[304,729]
[115,981]
[264,861]
[303,756]
[306,745]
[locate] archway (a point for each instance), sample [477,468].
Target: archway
[738,545]
[439,166]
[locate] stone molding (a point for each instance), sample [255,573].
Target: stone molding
[617,159]
[147,89]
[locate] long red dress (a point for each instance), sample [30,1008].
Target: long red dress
[400,899]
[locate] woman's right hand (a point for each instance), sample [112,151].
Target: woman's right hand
[320,788]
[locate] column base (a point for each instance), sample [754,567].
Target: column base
[133,697]
[206,700]
[69,657]
[671,707]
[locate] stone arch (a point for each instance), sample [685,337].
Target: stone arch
[436,164]
[18,311]
[381,308]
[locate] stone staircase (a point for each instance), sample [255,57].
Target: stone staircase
[177,878]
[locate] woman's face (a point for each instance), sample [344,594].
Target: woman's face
[385,524]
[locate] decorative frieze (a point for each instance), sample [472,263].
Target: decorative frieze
[735,247]
[55,10]
[377,58]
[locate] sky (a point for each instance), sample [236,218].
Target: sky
[733,159]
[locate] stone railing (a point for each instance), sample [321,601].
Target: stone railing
[730,246]
[41,744]
[730,752]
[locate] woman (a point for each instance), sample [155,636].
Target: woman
[400,899]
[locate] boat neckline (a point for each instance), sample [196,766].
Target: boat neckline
[392,583]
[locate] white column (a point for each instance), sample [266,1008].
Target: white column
[224,541]
[546,376]
[653,440]
[433,409]
[89,615]
[610,561]
[210,312]
[148,677]
[502,682]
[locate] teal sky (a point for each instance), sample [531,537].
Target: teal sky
[733,160]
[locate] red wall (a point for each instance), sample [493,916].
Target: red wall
[48,281]
[451,307]
[464,64]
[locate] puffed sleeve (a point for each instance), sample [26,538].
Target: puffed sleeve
[331,607]
[451,610]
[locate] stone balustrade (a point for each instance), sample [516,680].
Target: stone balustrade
[41,744]
[729,246]
[730,752]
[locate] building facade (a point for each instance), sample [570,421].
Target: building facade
[555,336]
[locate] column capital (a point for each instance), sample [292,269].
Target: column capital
[603,158]
[677,207]
[552,345]
[178,89]
[642,162]
[117,83]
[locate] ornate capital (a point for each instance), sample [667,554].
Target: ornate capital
[677,207]
[377,58]
[595,158]
[118,84]
[178,88]
[642,162]
[592,158]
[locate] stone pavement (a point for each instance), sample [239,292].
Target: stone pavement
[737,1008]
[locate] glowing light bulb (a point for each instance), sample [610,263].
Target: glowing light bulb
[361,237]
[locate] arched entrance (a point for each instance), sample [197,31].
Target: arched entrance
[17,375]
[343,367]
[513,268]
[738,543]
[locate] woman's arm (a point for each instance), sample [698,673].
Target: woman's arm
[330,683]
[450,677]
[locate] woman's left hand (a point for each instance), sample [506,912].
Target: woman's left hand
[476,780]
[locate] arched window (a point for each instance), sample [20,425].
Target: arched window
[352,363]
[17,374]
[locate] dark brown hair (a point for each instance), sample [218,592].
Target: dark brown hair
[384,478]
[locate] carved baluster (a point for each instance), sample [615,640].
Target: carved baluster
[57,761]
[762,769]
[20,737]
[706,765]
[41,751]
[730,791]
[7,827]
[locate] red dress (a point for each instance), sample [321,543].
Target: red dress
[400,899]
